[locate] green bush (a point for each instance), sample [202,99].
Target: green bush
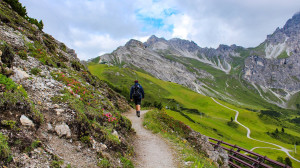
[22,54]
[8,83]
[126,162]
[35,71]
[4,148]
[232,124]
[104,163]
[56,162]
[9,124]
[33,145]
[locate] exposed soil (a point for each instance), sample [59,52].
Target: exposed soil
[151,150]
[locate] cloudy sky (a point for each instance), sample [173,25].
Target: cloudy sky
[95,27]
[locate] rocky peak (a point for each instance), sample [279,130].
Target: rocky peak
[291,28]
[134,43]
[293,22]
[223,47]
[153,39]
[184,44]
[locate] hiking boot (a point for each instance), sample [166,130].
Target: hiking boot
[138,113]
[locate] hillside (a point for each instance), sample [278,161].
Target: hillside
[53,111]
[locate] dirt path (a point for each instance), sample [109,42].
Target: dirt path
[151,150]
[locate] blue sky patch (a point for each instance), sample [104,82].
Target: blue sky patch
[151,23]
[170,12]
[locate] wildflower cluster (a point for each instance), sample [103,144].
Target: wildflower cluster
[110,118]
[173,124]
[77,89]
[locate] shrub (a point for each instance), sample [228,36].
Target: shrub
[232,124]
[35,71]
[4,148]
[23,54]
[33,145]
[9,124]
[288,161]
[126,162]
[56,163]
[104,163]
[86,140]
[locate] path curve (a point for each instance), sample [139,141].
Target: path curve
[151,150]
[249,132]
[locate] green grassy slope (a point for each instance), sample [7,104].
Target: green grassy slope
[214,121]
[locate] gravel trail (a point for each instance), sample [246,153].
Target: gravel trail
[151,150]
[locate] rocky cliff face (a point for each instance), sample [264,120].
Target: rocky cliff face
[53,112]
[276,63]
[163,59]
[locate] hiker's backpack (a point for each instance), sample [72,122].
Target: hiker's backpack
[136,92]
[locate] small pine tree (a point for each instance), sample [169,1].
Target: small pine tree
[280,159]
[276,131]
[231,119]
[41,25]
[282,130]
[288,161]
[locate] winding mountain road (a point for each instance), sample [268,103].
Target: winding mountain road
[249,132]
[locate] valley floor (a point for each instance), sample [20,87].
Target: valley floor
[151,150]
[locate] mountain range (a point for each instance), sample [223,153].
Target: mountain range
[266,74]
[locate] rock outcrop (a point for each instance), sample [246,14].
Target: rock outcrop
[201,142]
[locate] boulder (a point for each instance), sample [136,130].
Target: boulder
[19,75]
[63,130]
[49,127]
[59,111]
[26,121]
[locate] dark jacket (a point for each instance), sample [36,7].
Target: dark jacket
[141,91]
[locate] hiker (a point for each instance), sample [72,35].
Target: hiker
[137,94]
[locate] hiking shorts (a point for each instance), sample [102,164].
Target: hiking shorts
[137,101]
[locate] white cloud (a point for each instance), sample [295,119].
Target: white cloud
[92,45]
[98,26]
[183,26]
